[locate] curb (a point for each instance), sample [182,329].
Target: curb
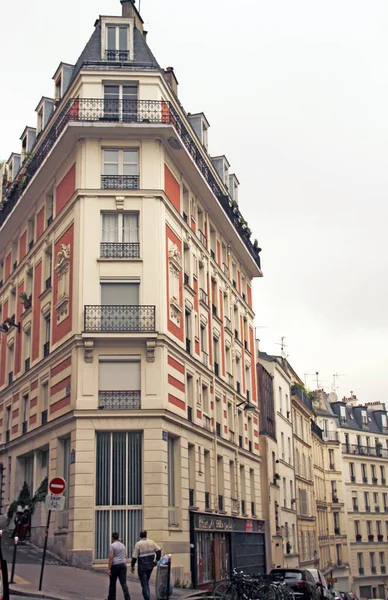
[35,594]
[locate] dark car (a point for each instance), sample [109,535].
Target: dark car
[300,581]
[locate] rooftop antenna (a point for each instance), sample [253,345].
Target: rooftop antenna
[283,345]
[309,375]
[335,377]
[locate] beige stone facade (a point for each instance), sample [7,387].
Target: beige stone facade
[131,370]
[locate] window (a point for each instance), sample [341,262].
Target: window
[49,208]
[120,103]
[220,482]
[360,561]
[206,461]
[282,444]
[120,169]
[119,382]
[352,472]
[382,558]
[357,528]
[372,562]
[117,42]
[120,235]
[385,500]
[284,490]
[280,400]
[355,501]
[366,500]
[382,474]
[171,470]
[118,488]
[123,293]
[369,527]
[30,233]
[289,451]
[25,414]
[191,464]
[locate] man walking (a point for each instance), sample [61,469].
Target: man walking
[117,567]
[146,553]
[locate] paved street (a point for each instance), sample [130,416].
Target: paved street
[63,582]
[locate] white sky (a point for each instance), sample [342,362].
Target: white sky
[296,93]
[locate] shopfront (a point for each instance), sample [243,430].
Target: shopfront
[218,544]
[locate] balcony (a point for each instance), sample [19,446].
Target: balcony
[221,503]
[358,537]
[27,364]
[380,537]
[191,497]
[44,417]
[370,537]
[374,480]
[100,111]
[119,400]
[119,318]
[119,250]
[46,349]
[335,499]
[119,182]
[331,436]
[203,297]
[364,450]
[24,427]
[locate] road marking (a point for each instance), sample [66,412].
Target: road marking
[20,580]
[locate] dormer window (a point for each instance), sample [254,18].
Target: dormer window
[233,187]
[44,111]
[58,88]
[117,40]
[221,165]
[62,78]
[384,421]
[13,166]
[201,126]
[28,138]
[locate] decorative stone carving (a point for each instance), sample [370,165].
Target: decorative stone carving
[175,256]
[120,202]
[47,240]
[151,345]
[175,313]
[88,351]
[62,268]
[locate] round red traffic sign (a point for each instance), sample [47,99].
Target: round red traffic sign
[57,486]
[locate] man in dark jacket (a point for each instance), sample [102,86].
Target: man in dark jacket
[145,553]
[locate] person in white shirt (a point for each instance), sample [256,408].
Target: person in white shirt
[117,567]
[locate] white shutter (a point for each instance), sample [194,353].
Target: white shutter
[119,375]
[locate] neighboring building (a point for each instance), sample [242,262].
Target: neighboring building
[302,413]
[364,469]
[127,358]
[279,497]
[337,521]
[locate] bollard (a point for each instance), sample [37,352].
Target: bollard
[15,545]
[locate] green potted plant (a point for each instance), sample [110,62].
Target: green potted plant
[26,300]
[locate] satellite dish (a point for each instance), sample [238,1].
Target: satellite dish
[333,397]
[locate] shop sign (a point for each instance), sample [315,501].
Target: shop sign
[248,526]
[204,522]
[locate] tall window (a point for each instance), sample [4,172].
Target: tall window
[118,487]
[120,235]
[120,102]
[360,562]
[117,42]
[119,382]
[25,416]
[120,169]
[173,475]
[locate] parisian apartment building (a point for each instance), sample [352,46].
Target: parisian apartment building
[127,345]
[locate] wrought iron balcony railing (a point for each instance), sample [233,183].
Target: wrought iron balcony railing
[119,182]
[119,250]
[117,55]
[126,111]
[119,318]
[46,349]
[119,400]
[44,417]
[364,450]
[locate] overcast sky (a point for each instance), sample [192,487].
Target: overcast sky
[296,93]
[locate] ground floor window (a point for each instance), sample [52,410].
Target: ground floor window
[118,493]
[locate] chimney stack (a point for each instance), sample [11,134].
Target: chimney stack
[128,9]
[171,79]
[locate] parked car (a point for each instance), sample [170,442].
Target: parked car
[336,595]
[321,584]
[300,581]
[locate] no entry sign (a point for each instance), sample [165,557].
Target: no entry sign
[57,486]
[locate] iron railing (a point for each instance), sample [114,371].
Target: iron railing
[117,55]
[27,364]
[119,182]
[119,250]
[119,399]
[364,450]
[46,349]
[118,318]
[139,111]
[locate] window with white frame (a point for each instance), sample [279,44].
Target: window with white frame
[120,227]
[117,42]
[120,102]
[120,168]
[119,382]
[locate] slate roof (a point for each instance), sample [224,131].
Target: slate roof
[353,418]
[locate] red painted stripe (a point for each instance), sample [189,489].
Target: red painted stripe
[33,402]
[15,428]
[60,404]
[61,366]
[177,384]
[199,414]
[15,413]
[34,385]
[33,420]
[59,386]
[256,446]
[177,365]
[15,399]
[179,403]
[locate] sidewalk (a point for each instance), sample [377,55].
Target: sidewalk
[69,583]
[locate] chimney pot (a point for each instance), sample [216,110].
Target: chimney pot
[171,79]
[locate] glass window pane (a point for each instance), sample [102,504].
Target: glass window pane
[111,156]
[130,92]
[110,231]
[134,468]
[111,38]
[120,375]
[120,294]
[111,91]
[129,169]
[131,228]
[130,156]
[103,469]
[123,38]
[119,468]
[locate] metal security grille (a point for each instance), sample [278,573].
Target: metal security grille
[118,489]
